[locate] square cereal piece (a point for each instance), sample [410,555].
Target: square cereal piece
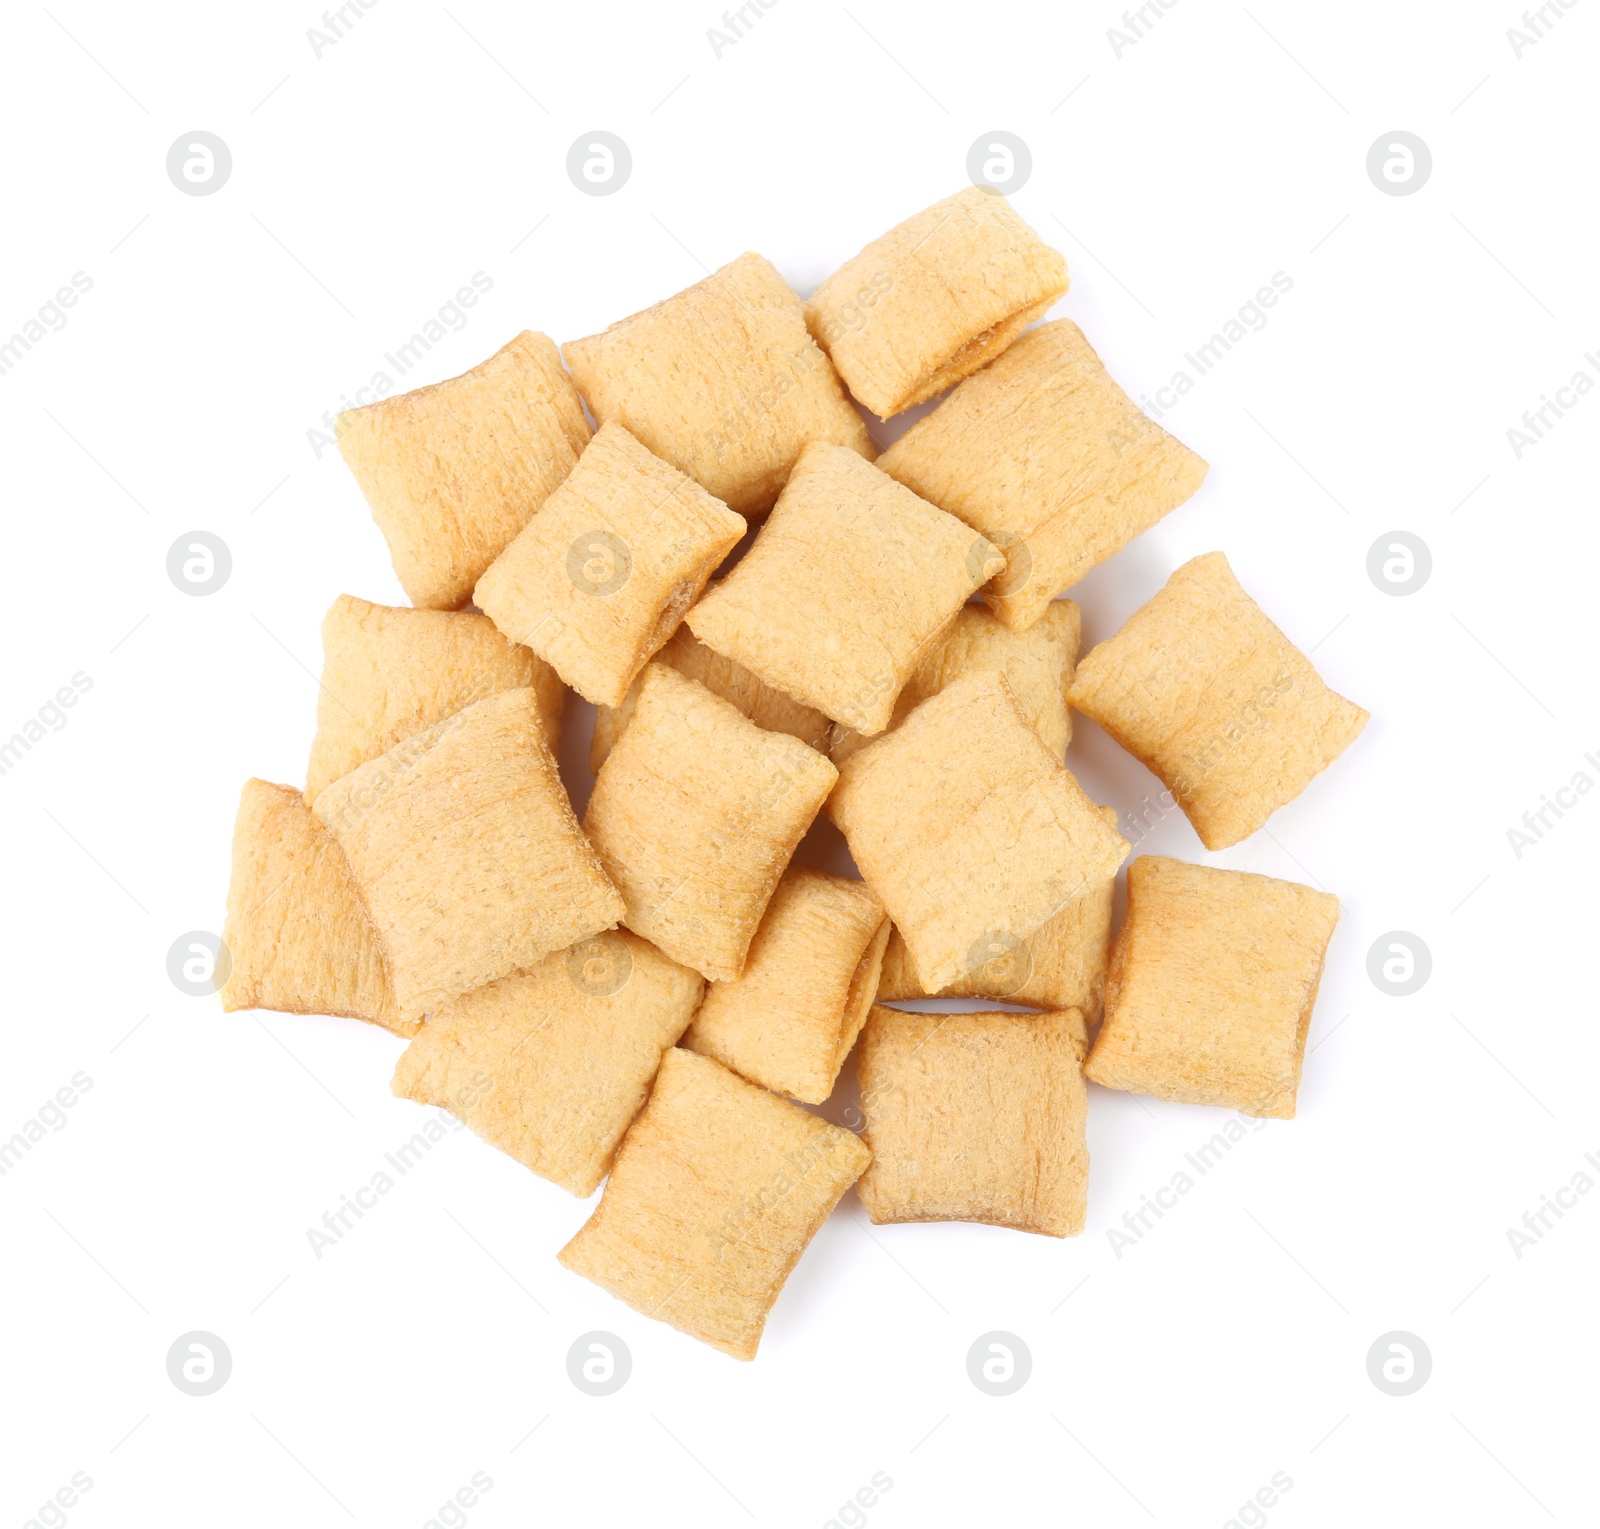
[552,1066]
[695,814]
[453,471]
[969,829]
[789,1022]
[389,671]
[722,381]
[602,575]
[466,853]
[1061,965]
[1038,665]
[850,582]
[934,299]
[716,1191]
[1208,694]
[298,937]
[975,1117]
[1211,987]
[766,707]
[1048,457]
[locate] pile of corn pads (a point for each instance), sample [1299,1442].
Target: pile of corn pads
[641,997]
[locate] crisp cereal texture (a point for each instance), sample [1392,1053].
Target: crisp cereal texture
[850,582]
[602,575]
[298,936]
[767,708]
[723,382]
[934,299]
[695,815]
[975,1117]
[1047,456]
[1209,695]
[453,471]
[389,671]
[789,1022]
[716,1191]
[1211,987]
[466,853]
[551,1066]
[1061,965]
[1038,665]
[969,829]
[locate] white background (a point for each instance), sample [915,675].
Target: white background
[368,185]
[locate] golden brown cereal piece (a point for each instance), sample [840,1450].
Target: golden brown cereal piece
[1209,695]
[452,472]
[1211,987]
[1061,965]
[716,1191]
[934,299]
[602,575]
[969,829]
[789,1022]
[975,1117]
[299,939]
[850,582]
[466,853]
[695,814]
[389,671]
[722,381]
[1038,665]
[1047,456]
[766,707]
[551,1066]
